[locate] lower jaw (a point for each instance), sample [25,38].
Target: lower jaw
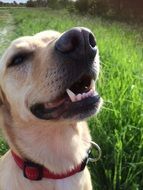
[83,109]
[71,110]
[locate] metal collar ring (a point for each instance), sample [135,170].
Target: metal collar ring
[98,149]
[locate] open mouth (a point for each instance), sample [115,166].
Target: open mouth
[79,99]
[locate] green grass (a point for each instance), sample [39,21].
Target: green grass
[118,129]
[6,29]
[2,18]
[3,22]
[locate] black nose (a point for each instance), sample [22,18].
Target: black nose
[78,42]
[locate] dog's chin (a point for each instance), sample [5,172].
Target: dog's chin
[77,103]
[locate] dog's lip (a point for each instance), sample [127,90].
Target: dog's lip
[67,108]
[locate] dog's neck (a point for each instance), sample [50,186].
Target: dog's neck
[59,147]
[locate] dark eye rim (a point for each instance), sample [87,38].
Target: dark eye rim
[22,58]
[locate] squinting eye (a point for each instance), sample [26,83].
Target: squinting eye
[19,59]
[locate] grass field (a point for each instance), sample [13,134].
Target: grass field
[6,29]
[118,129]
[5,38]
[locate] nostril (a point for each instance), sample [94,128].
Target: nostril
[92,41]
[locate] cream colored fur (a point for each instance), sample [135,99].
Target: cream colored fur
[58,146]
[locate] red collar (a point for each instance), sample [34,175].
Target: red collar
[34,171]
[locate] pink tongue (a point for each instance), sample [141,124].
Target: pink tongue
[54,104]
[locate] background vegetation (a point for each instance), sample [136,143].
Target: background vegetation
[118,129]
[121,9]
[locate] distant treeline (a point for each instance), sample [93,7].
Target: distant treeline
[14,4]
[126,9]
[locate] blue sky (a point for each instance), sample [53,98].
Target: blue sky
[9,1]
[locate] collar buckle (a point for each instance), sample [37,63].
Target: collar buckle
[32,171]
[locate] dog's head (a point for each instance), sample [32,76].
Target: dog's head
[51,76]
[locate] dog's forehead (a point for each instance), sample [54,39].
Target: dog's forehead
[47,35]
[26,42]
[30,43]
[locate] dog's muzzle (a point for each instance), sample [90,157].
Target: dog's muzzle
[76,51]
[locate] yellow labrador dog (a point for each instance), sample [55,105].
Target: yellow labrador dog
[46,92]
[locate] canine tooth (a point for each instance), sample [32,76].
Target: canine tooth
[78,97]
[71,95]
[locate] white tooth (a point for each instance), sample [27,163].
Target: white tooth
[83,95]
[93,85]
[71,95]
[78,97]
